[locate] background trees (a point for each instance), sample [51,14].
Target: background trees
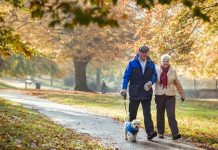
[164,28]
[190,41]
[21,67]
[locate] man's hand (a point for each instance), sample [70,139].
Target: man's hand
[123,94]
[182,99]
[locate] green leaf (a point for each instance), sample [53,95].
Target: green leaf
[197,12]
[65,7]
[114,2]
[1,19]
[143,4]
[16,3]
[69,26]
[54,22]
[187,3]
[164,1]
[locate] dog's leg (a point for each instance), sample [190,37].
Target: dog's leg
[130,137]
[134,138]
[125,132]
[125,136]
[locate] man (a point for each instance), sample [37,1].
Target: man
[141,74]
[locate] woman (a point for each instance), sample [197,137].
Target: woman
[165,93]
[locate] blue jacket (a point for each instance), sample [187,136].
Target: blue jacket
[136,78]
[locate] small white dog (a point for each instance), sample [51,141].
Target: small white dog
[131,129]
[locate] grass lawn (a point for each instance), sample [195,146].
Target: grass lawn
[5,86]
[22,129]
[197,120]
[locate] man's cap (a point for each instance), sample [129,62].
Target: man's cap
[144,49]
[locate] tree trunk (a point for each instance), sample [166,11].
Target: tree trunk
[1,62]
[51,78]
[80,75]
[195,84]
[51,81]
[32,78]
[216,84]
[98,79]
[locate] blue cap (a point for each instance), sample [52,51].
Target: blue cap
[144,49]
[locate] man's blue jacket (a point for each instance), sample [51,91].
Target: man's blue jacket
[136,78]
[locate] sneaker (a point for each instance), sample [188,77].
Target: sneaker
[161,136]
[151,135]
[176,136]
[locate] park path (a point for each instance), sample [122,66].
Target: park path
[105,129]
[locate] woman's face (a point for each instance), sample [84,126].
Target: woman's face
[165,64]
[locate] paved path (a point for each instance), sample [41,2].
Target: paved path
[21,84]
[108,131]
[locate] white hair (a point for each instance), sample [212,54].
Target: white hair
[165,57]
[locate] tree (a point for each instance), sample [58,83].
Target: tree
[72,13]
[11,43]
[91,43]
[172,30]
[85,12]
[82,44]
[20,66]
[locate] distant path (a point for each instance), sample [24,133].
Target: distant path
[21,84]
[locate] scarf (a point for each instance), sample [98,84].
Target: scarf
[163,76]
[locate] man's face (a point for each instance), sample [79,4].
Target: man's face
[142,55]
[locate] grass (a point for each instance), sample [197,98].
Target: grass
[5,86]
[21,128]
[197,120]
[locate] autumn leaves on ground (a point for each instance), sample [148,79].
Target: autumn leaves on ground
[21,128]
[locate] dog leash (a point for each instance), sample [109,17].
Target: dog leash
[125,107]
[127,115]
[124,102]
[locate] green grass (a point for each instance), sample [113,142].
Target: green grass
[21,128]
[5,86]
[197,120]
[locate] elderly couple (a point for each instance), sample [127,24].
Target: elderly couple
[141,74]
